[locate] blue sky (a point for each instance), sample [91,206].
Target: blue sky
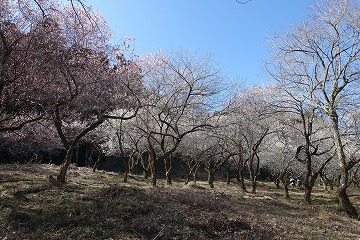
[236,34]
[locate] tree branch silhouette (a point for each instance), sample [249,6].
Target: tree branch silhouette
[243,2]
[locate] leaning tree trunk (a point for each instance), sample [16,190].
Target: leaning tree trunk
[71,145]
[344,178]
[327,183]
[343,196]
[65,165]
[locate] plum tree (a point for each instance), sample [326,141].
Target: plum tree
[320,60]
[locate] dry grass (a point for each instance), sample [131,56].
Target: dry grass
[100,206]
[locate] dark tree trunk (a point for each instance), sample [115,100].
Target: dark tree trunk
[277,182]
[99,159]
[126,168]
[65,165]
[307,195]
[228,174]
[344,198]
[344,179]
[284,179]
[195,177]
[168,177]
[88,153]
[77,155]
[325,182]
[240,177]
[193,172]
[253,185]
[228,179]
[153,171]
[168,170]
[253,174]
[309,187]
[147,172]
[70,145]
[286,188]
[211,179]
[196,173]
[187,178]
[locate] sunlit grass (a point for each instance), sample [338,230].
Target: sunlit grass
[101,206]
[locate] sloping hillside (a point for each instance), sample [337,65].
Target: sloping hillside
[100,206]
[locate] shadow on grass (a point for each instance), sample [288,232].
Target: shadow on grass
[121,212]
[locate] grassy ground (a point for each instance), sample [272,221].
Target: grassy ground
[100,206]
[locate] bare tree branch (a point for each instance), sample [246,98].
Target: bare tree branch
[243,2]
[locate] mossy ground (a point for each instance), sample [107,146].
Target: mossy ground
[101,206]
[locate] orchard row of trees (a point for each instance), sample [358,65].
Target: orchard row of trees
[62,84]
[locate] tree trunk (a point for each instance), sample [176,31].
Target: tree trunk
[153,171]
[65,165]
[253,185]
[284,179]
[190,172]
[286,188]
[307,195]
[240,177]
[307,185]
[147,172]
[196,173]
[77,155]
[277,183]
[228,175]
[126,168]
[228,179]
[168,170]
[168,177]
[345,202]
[211,179]
[310,185]
[99,159]
[187,178]
[252,176]
[88,153]
[325,182]
[344,179]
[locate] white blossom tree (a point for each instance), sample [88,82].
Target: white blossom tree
[320,60]
[179,90]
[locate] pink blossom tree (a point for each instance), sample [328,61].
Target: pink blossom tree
[69,71]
